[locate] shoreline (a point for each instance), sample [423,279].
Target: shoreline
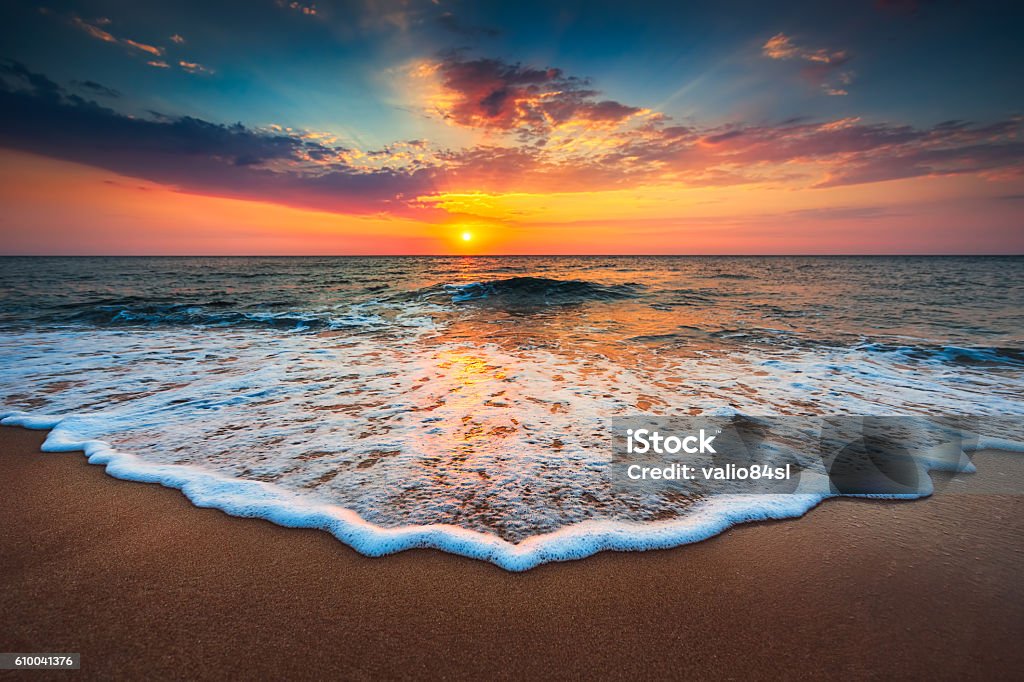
[140,581]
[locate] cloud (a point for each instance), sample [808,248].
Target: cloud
[94,30]
[177,39]
[821,66]
[309,9]
[794,154]
[96,89]
[408,177]
[155,51]
[994,149]
[781,46]
[38,116]
[491,94]
[159,63]
[193,67]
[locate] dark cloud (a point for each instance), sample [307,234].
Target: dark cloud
[38,84]
[95,88]
[38,116]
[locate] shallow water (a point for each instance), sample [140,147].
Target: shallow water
[442,395]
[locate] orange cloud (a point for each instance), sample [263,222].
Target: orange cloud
[821,66]
[95,31]
[781,46]
[155,51]
[193,67]
[98,33]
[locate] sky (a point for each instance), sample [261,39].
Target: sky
[437,127]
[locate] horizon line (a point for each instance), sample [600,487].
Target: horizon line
[514,255]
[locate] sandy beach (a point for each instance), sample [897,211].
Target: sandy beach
[144,584]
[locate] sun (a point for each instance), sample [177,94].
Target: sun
[467,236]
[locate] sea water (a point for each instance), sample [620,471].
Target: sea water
[464,403]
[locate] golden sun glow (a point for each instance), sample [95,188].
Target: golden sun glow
[467,236]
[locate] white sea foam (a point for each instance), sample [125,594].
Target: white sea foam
[271,502]
[429,439]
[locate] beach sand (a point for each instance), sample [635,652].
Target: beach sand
[144,584]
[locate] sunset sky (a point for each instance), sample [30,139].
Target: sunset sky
[423,127]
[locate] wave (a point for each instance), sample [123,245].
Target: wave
[138,312]
[952,355]
[728,275]
[527,292]
[974,356]
[202,316]
[287,315]
[209,316]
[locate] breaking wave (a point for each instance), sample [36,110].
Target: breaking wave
[953,355]
[527,292]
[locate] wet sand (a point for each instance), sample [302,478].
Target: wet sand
[144,584]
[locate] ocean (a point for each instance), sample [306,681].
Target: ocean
[464,403]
